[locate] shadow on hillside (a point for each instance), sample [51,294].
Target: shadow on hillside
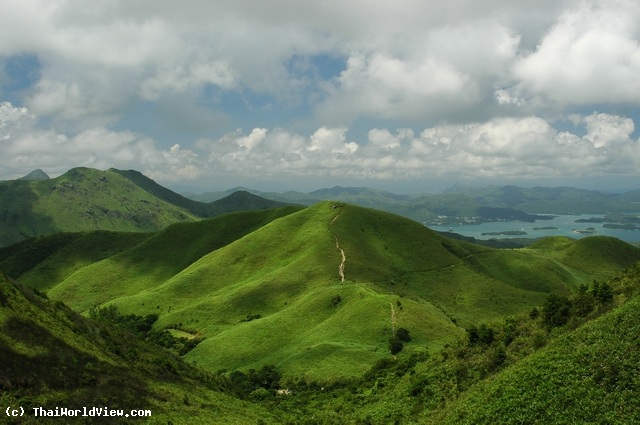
[59,366]
[18,220]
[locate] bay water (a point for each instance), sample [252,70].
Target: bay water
[565,225]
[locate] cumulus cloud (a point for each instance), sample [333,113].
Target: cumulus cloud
[30,147]
[525,148]
[590,55]
[402,60]
[14,119]
[604,130]
[445,87]
[505,147]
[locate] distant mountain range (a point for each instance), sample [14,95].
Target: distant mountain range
[475,203]
[127,200]
[89,199]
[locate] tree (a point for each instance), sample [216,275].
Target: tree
[403,335]
[602,292]
[534,313]
[556,310]
[480,335]
[395,345]
[583,303]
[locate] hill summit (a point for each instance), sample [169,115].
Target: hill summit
[36,174]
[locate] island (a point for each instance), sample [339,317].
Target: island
[505,233]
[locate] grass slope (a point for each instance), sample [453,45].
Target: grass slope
[52,357]
[589,376]
[86,199]
[265,288]
[81,199]
[44,261]
[156,258]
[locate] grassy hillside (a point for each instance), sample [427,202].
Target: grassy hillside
[137,258]
[236,201]
[86,199]
[266,287]
[44,261]
[318,292]
[513,371]
[79,200]
[52,357]
[590,375]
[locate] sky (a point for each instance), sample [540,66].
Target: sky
[409,95]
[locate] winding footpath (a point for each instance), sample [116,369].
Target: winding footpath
[344,257]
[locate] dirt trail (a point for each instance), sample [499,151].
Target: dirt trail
[344,257]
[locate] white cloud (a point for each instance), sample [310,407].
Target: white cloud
[30,147]
[388,87]
[446,68]
[523,148]
[183,164]
[252,140]
[590,55]
[498,72]
[183,76]
[605,130]
[14,119]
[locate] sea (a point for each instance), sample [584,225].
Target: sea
[565,225]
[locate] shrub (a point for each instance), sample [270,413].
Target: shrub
[395,345]
[556,310]
[403,335]
[480,335]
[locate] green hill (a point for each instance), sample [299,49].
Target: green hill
[267,287]
[588,376]
[238,200]
[37,174]
[85,199]
[54,358]
[81,199]
[41,262]
[512,371]
[140,257]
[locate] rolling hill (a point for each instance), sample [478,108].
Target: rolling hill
[518,370]
[87,199]
[236,200]
[317,291]
[54,358]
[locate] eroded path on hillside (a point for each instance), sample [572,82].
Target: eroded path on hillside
[344,257]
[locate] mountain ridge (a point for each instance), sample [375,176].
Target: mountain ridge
[467,203]
[84,199]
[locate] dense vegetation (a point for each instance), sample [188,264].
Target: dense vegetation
[51,356]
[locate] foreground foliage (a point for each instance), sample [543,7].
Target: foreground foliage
[517,370]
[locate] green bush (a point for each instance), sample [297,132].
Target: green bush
[556,310]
